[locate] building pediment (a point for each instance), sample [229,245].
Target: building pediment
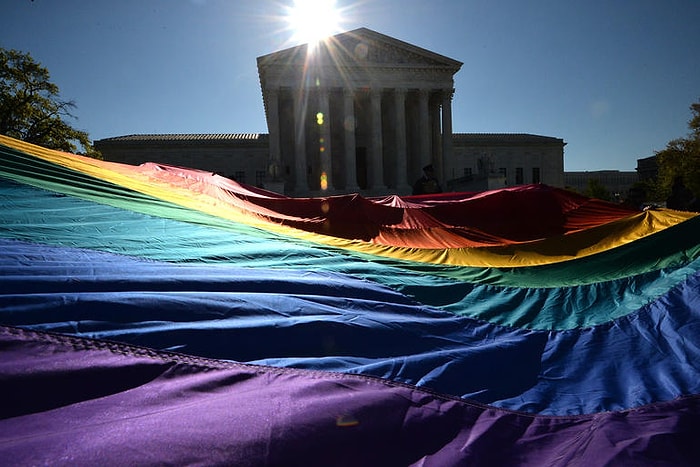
[375,48]
[360,48]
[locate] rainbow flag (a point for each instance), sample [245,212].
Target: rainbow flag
[163,315]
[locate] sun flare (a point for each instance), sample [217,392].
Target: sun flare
[313,20]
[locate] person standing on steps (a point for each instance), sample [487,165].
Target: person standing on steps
[428,183]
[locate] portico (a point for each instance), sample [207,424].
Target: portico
[358,112]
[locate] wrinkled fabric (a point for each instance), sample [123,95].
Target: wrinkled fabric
[81,402]
[528,325]
[520,226]
[329,321]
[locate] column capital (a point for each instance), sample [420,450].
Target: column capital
[448,94]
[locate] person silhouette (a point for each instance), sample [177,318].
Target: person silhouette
[428,183]
[681,197]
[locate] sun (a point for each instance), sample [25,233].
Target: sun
[313,20]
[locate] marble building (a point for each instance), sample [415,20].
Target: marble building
[359,112]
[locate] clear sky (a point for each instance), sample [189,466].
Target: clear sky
[613,78]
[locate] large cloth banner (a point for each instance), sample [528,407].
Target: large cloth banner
[162,315]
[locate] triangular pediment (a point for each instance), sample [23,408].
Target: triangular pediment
[362,47]
[383,49]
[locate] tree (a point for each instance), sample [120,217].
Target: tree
[681,157]
[597,190]
[31,109]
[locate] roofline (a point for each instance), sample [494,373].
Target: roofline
[508,138]
[377,35]
[490,139]
[200,138]
[410,46]
[187,137]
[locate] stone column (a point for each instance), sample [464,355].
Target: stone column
[424,128]
[273,123]
[324,122]
[300,169]
[436,135]
[402,186]
[447,144]
[274,170]
[350,148]
[376,165]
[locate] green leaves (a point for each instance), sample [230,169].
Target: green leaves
[31,108]
[681,157]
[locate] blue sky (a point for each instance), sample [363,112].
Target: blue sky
[613,78]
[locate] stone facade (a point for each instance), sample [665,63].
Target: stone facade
[359,112]
[489,161]
[242,157]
